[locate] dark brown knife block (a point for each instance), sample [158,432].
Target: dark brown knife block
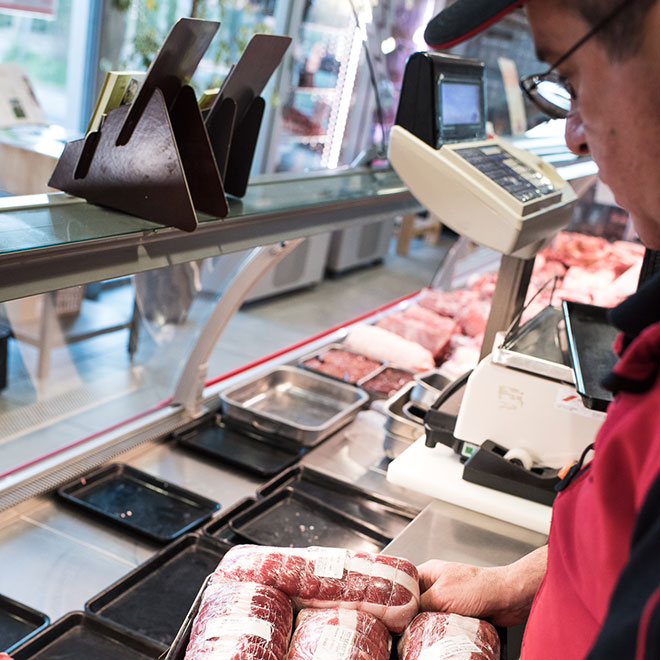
[163,173]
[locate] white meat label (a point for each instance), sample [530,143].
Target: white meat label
[450,648]
[231,627]
[335,643]
[330,562]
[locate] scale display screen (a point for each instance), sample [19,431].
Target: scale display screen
[461,103]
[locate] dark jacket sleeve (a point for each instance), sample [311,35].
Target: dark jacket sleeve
[632,626]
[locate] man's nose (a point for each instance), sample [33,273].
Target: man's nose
[574,133]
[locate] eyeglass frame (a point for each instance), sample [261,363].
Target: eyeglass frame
[529,84]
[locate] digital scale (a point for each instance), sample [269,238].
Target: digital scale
[487,190]
[520,417]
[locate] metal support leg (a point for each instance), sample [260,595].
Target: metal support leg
[508,299]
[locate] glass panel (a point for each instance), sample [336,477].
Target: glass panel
[50,51]
[65,223]
[80,360]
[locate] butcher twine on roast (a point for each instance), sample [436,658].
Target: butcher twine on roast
[435,635]
[384,586]
[241,622]
[338,634]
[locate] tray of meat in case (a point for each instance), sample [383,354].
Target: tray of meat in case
[293,403]
[18,623]
[387,516]
[137,501]
[241,447]
[78,635]
[340,362]
[153,600]
[292,517]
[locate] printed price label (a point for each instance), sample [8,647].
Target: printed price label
[231,627]
[330,562]
[451,648]
[335,643]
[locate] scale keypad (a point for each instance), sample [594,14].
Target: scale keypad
[518,179]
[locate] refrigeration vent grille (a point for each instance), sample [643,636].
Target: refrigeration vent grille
[52,480]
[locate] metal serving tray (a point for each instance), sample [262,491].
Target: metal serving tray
[385,515]
[137,501]
[18,623]
[137,603]
[242,448]
[294,403]
[78,635]
[397,421]
[427,388]
[219,527]
[290,517]
[340,347]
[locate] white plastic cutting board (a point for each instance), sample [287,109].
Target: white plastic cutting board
[438,472]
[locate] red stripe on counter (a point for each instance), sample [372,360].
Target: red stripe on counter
[308,340]
[213,381]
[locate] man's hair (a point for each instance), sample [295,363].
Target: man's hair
[623,36]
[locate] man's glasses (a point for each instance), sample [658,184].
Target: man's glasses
[550,91]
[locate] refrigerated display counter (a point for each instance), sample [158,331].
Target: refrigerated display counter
[61,557]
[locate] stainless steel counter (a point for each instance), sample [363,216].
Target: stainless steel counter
[54,558]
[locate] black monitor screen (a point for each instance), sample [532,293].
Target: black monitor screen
[461,103]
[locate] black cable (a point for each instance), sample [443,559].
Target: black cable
[374,83]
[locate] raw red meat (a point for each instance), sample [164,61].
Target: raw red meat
[338,634]
[241,622]
[448,303]
[388,381]
[347,365]
[381,344]
[422,326]
[384,586]
[434,635]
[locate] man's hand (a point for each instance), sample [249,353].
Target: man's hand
[503,594]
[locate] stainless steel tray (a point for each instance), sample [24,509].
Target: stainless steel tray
[294,403]
[397,422]
[427,388]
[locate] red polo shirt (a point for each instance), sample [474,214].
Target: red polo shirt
[593,517]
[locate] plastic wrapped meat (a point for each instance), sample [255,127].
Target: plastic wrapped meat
[381,344]
[346,365]
[241,622]
[439,636]
[423,326]
[387,587]
[338,634]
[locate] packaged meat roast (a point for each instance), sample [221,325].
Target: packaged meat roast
[241,621]
[384,586]
[438,636]
[338,634]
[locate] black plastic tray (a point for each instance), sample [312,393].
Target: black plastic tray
[78,636]
[18,623]
[590,339]
[292,518]
[219,527]
[153,600]
[384,515]
[135,500]
[232,445]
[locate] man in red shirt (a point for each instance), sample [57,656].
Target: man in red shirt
[594,591]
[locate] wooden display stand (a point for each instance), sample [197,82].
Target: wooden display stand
[153,158]
[158,158]
[234,120]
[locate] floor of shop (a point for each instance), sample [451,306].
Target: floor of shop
[93,384]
